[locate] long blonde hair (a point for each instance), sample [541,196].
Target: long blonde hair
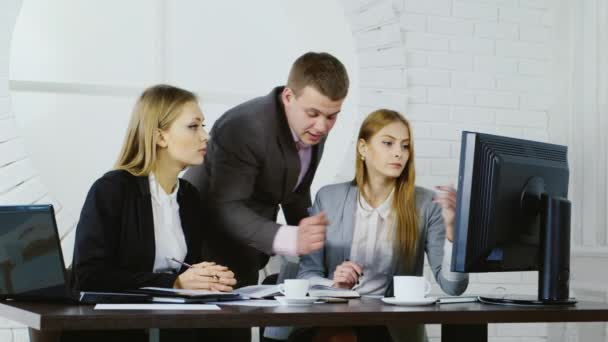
[156,108]
[404,201]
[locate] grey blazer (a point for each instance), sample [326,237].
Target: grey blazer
[339,202]
[252,167]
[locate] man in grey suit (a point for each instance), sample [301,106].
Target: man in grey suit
[263,154]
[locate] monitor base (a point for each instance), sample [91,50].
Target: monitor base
[525,301]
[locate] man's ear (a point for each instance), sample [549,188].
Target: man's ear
[287,95]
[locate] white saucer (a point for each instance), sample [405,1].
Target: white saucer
[410,302]
[296,300]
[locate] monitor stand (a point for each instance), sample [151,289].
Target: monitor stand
[554,266]
[522,300]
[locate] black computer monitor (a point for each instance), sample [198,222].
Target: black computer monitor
[513,214]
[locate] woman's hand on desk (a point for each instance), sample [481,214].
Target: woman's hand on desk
[206,276]
[347,275]
[223,278]
[445,197]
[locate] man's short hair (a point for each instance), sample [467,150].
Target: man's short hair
[319,70]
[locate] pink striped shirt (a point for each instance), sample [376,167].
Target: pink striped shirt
[286,240]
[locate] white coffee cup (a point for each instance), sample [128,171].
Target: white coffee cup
[410,287]
[294,288]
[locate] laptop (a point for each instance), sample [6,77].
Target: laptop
[31,261]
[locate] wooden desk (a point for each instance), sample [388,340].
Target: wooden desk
[459,321]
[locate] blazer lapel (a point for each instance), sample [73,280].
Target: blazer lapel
[348,219]
[146,223]
[318,153]
[188,218]
[291,167]
[288,149]
[184,216]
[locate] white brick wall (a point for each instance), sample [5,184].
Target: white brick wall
[496,30]
[422,41]
[372,16]
[378,36]
[413,22]
[380,57]
[429,7]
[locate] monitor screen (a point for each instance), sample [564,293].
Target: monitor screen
[31,262]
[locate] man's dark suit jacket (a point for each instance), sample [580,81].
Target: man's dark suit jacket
[252,167]
[115,245]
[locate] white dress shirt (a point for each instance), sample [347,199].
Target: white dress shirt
[372,245]
[169,236]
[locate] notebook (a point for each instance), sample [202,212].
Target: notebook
[328,291]
[31,261]
[171,295]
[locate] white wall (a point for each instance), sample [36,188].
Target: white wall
[84,42]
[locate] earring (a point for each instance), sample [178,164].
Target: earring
[363,157]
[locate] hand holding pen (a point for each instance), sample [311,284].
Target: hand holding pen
[347,275]
[205,276]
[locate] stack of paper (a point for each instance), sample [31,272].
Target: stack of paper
[269,291]
[258,291]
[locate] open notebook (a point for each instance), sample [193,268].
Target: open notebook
[269,291]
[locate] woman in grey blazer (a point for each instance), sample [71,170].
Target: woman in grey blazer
[381,225]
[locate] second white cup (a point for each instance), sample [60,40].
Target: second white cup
[410,287]
[294,288]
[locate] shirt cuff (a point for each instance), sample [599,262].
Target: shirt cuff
[447,264]
[286,241]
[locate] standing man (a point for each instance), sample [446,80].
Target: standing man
[264,153]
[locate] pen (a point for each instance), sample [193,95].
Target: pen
[355,270]
[180,262]
[190,266]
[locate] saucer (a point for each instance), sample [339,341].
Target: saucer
[409,302]
[296,300]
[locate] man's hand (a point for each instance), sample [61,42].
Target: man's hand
[311,233]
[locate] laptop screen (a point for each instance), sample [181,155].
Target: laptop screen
[31,262]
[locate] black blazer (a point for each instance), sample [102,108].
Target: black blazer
[115,248]
[252,167]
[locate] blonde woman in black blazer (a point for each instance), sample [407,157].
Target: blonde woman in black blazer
[122,233]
